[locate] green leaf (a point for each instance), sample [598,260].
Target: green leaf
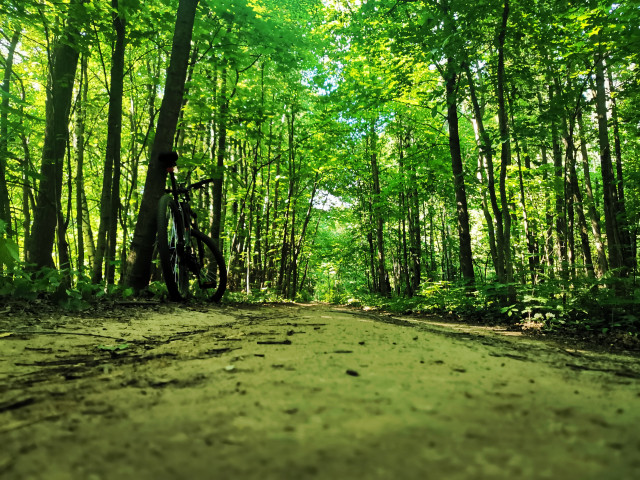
[9,252]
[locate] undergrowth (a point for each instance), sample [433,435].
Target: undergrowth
[589,306]
[597,306]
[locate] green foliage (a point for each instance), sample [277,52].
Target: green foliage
[9,250]
[21,282]
[309,91]
[255,297]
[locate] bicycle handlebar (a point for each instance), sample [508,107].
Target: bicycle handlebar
[199,184]
[169,160]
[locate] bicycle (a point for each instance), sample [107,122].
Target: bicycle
[185,251]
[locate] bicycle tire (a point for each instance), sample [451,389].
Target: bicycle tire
[212,272]
[170,227]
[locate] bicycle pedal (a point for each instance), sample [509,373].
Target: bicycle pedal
[209,284]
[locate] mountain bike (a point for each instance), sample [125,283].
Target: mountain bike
[190,260]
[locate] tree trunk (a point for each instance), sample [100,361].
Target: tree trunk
[409,199]
[485,164]
[28,202]
[548,232]
[139,261]
[415,243]
[81,102]
[612,212]
[602,264]
[630,258]
[299,245]
[110,198]
[571,187]
[576,196]
[616,139]
[558,187]
[62,70]
[505,156]
[218,176]
[5,205]
[377,213]
[115,134]
[88,232]
[466,258]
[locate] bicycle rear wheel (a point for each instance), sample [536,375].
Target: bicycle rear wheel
[212,273]
[171,249]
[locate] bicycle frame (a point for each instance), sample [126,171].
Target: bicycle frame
[190,244]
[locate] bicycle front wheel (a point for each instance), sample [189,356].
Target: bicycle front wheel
[212,272]
[171,248]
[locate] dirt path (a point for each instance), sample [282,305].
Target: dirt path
[297,392]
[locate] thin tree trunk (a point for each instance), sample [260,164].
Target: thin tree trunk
[377,212]
[529,237]
[505,156]
[28,202]
[110,198]
[616,138]
[611,202]
[117,90]
[485,166]
[88,232]
[415,245]
[80,139]
[559,189]
[572,193]
[630,258]
[298,248]
[582,222]
[216,227]
[602,264]
[548,232]
[5,204]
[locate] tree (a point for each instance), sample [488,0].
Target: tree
[5,204]
[464,235]
[110,198]
[139,268]
[62,69]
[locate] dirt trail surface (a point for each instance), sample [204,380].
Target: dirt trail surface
[305,392]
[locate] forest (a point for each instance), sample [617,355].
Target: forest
[477,157]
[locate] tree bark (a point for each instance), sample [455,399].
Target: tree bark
[578,204]
[548,256]
[485,160]
[115,134]
[110,198]
[630,258]
[505,156]
[139,260]
[558,186]
[81,102]
[465,254]
[5,204]
[612,213]
[377,213]
[62,70]
[216,227]
[602,264]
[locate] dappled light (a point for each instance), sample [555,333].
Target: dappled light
[445,166]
